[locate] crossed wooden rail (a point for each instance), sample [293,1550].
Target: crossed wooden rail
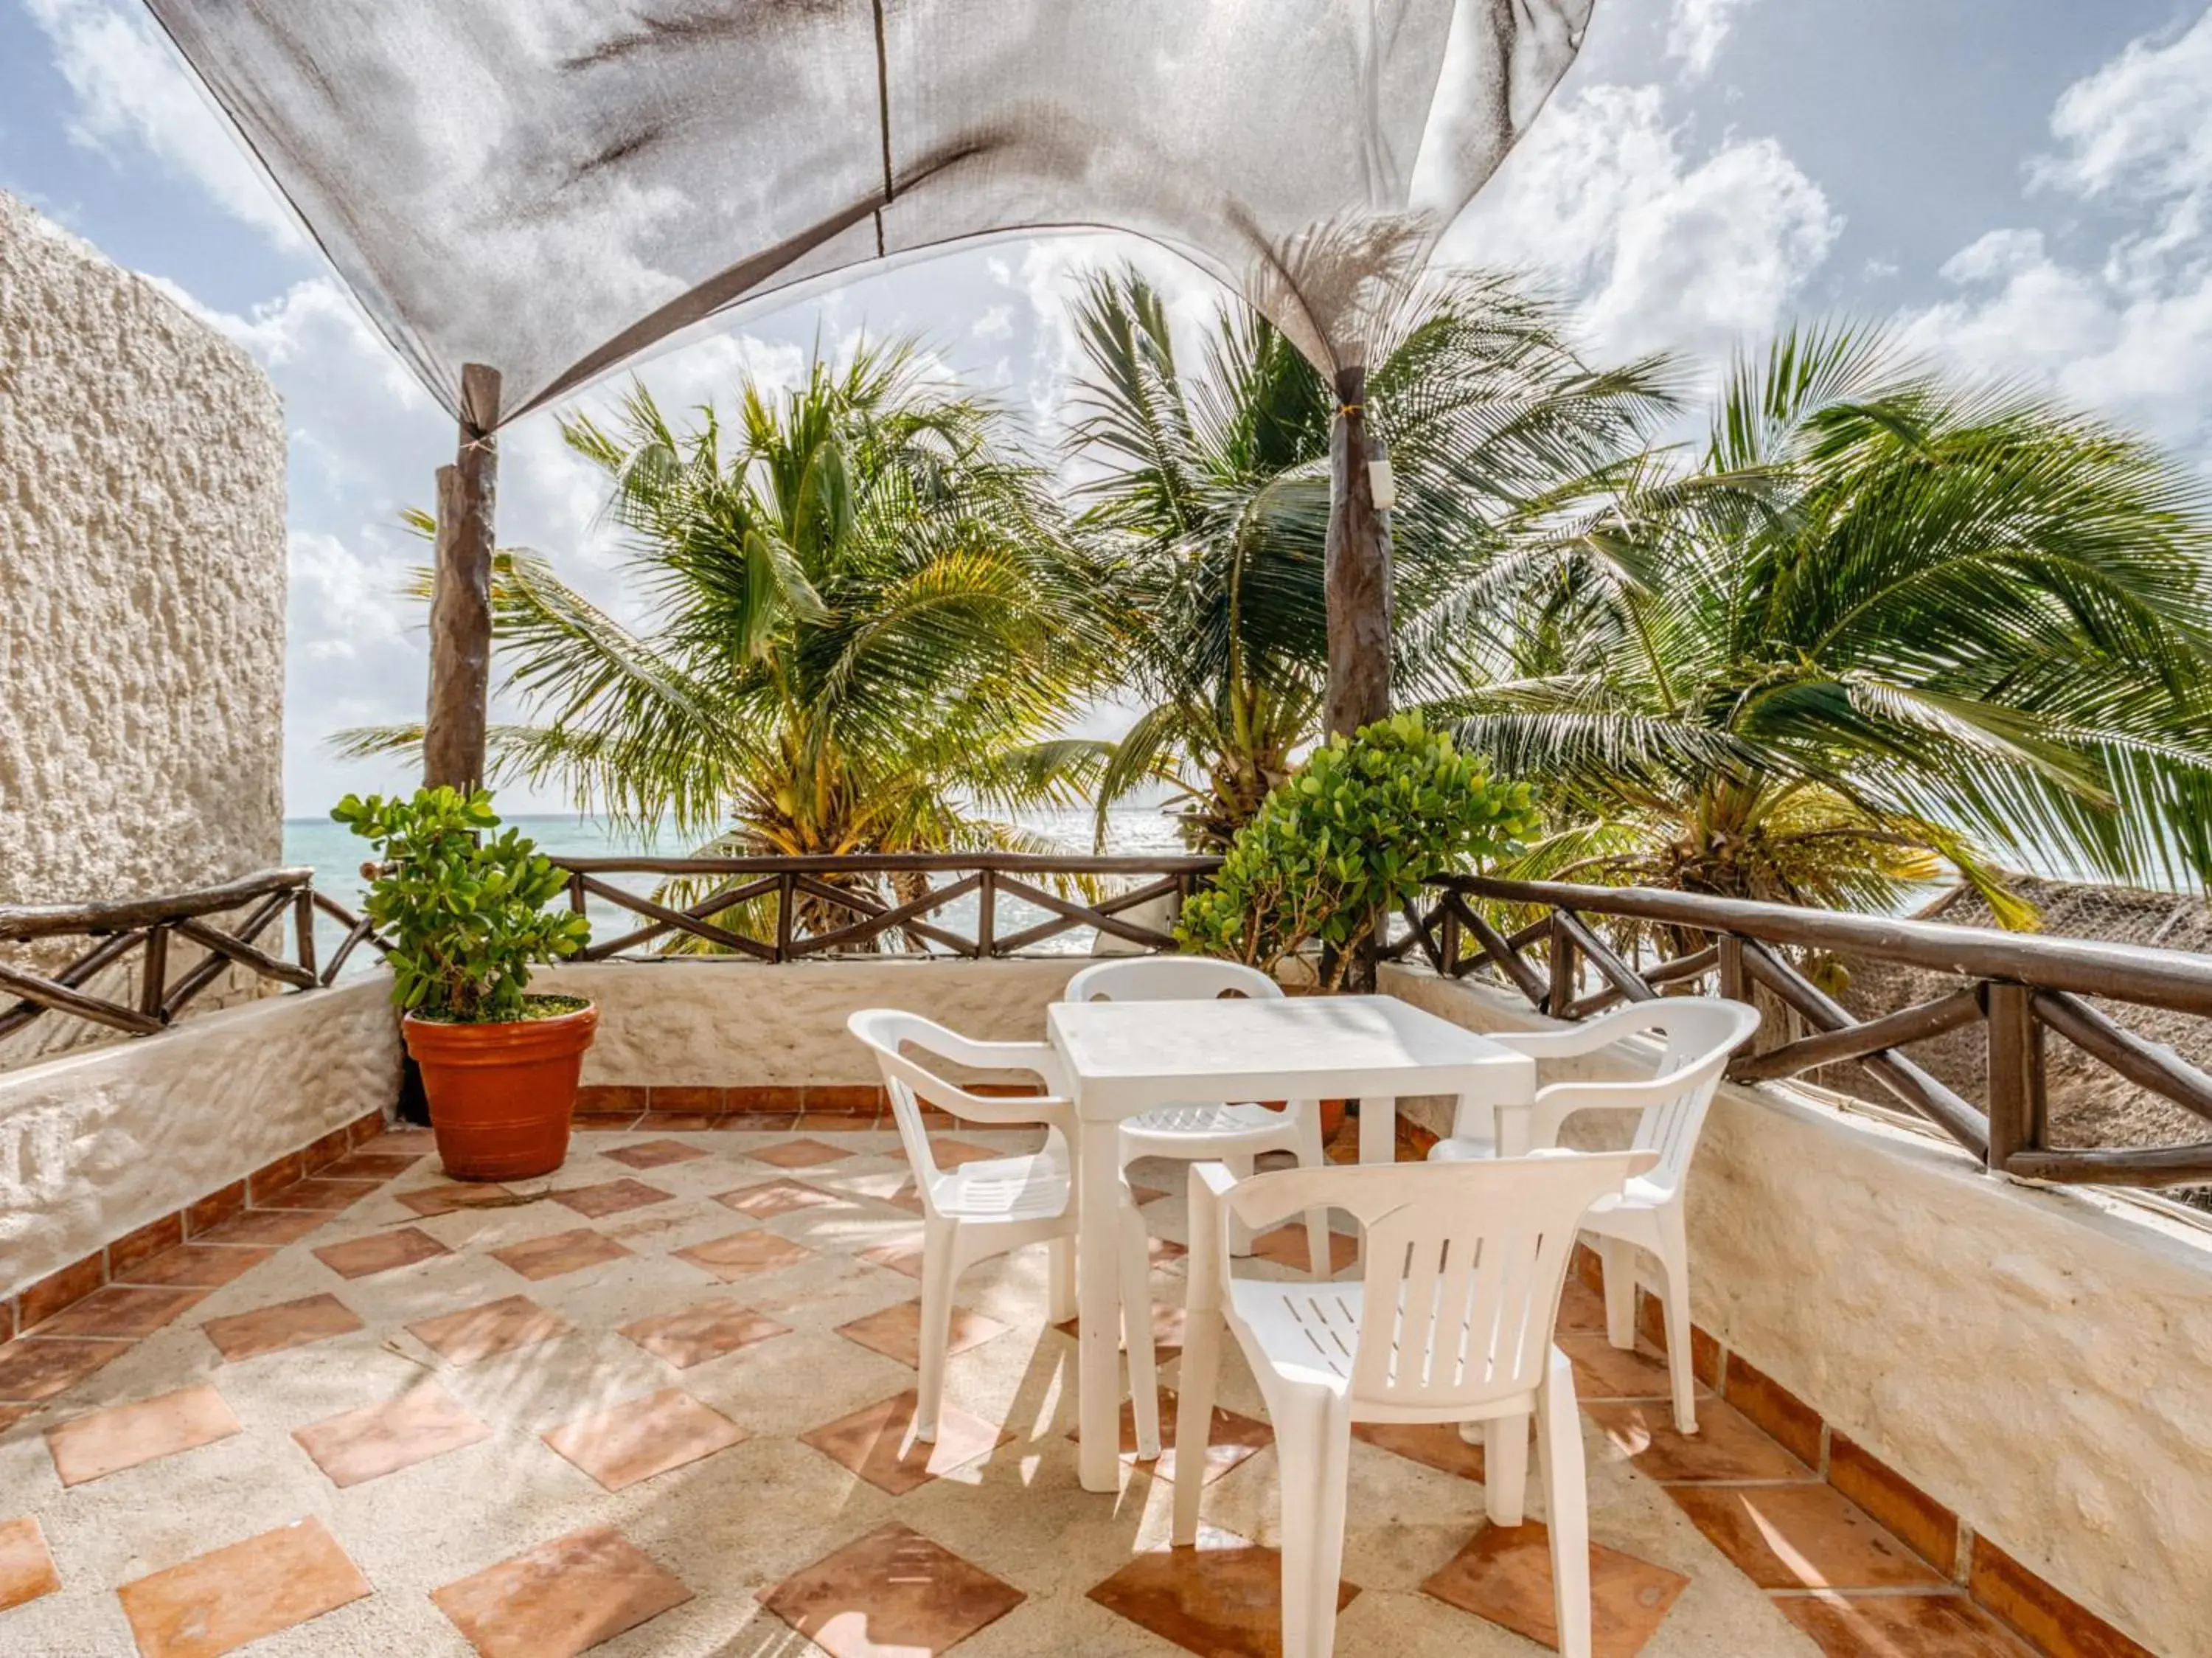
[147,926]
[2021,988]
[985,877]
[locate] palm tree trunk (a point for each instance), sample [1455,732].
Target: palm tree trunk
[460,598]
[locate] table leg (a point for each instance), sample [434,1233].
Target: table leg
[1098,1305]
[1378,1130]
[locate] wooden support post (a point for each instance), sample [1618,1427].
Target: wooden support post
[1734,981]
[1561,996]
[303,928]
[1357,570]
[1448,944]
[2018,1111]
[787,900]
[460,601]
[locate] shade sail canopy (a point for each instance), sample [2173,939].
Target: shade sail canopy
[552,186]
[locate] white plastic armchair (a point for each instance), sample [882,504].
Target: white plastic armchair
[1451,1322]
[1228,1132]
[991,1205]
[1696,1035]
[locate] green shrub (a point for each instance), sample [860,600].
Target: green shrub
[463,906]
[1349,837]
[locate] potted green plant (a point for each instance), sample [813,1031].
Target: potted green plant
[464,910]
[1347,840]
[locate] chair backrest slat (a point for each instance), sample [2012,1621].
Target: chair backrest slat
[1465,1264]
[1169,978]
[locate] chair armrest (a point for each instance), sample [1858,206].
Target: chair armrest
[1554,1105]
[1212,1189]
[1011,1111]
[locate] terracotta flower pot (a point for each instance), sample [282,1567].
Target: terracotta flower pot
[501,1094]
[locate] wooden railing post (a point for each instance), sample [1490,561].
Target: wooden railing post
[787,900]
[1734,981]
[1448,937]
[2018,1107]
[153,972]
[986,916]
[1561,995]
[303,927]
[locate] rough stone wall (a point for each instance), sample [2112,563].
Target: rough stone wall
[142,590]
[2033,1358]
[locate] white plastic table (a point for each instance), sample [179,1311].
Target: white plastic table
[1124,1059]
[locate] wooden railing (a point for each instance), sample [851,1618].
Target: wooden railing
[864,899]
[2021,988]
[226,922]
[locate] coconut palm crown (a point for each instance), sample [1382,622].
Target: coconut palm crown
[1889,623]
[1210,491]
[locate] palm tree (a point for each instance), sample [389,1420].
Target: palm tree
[866,624]
[1891,624]
[1209,492]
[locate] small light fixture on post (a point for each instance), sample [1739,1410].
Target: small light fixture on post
[1381,481]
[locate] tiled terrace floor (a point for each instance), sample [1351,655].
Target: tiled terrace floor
[659,1403]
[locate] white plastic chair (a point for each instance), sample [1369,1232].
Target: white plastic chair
[1697,1035]
[991,1205]
[1452,1322]
[1234,1134]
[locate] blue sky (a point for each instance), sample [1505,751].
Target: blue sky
[2022,186]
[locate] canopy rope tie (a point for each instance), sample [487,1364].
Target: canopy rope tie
[1346,411]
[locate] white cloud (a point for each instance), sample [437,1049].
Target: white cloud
[2126,328]
[1696,30]
[996,323]
[1667,250]
[135,96]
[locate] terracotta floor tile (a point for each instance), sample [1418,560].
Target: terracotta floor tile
[370,1166]
[1899,1626]
[1504,1575]
[358,1446]
[1167,1327]
[904,1257]
[124,1436]
[273,1329]
[430,1201]
[742,1253]
[561,1252]
[1802,1537]
[951,1154]
[479,1332]
[381,1251]
[655,1153]
[642,1437]
[903,1196]
[896,1332]
[1285,1246]
[1141,1195]
[799,1153]
[892,1594]
[1604,1371]
[222,1600]
[1726,1447]
[197,1263]
[696,1334]
[611,1197]
[12,1414]
[1581,1308]
[874,1443]
[269,1227]
[1433,1444]
[33,1368]
[765,1203]
[319,1192]
[126,1312]
[1221,1600]
[1231,1439]
[27,1570]
[561,1598]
